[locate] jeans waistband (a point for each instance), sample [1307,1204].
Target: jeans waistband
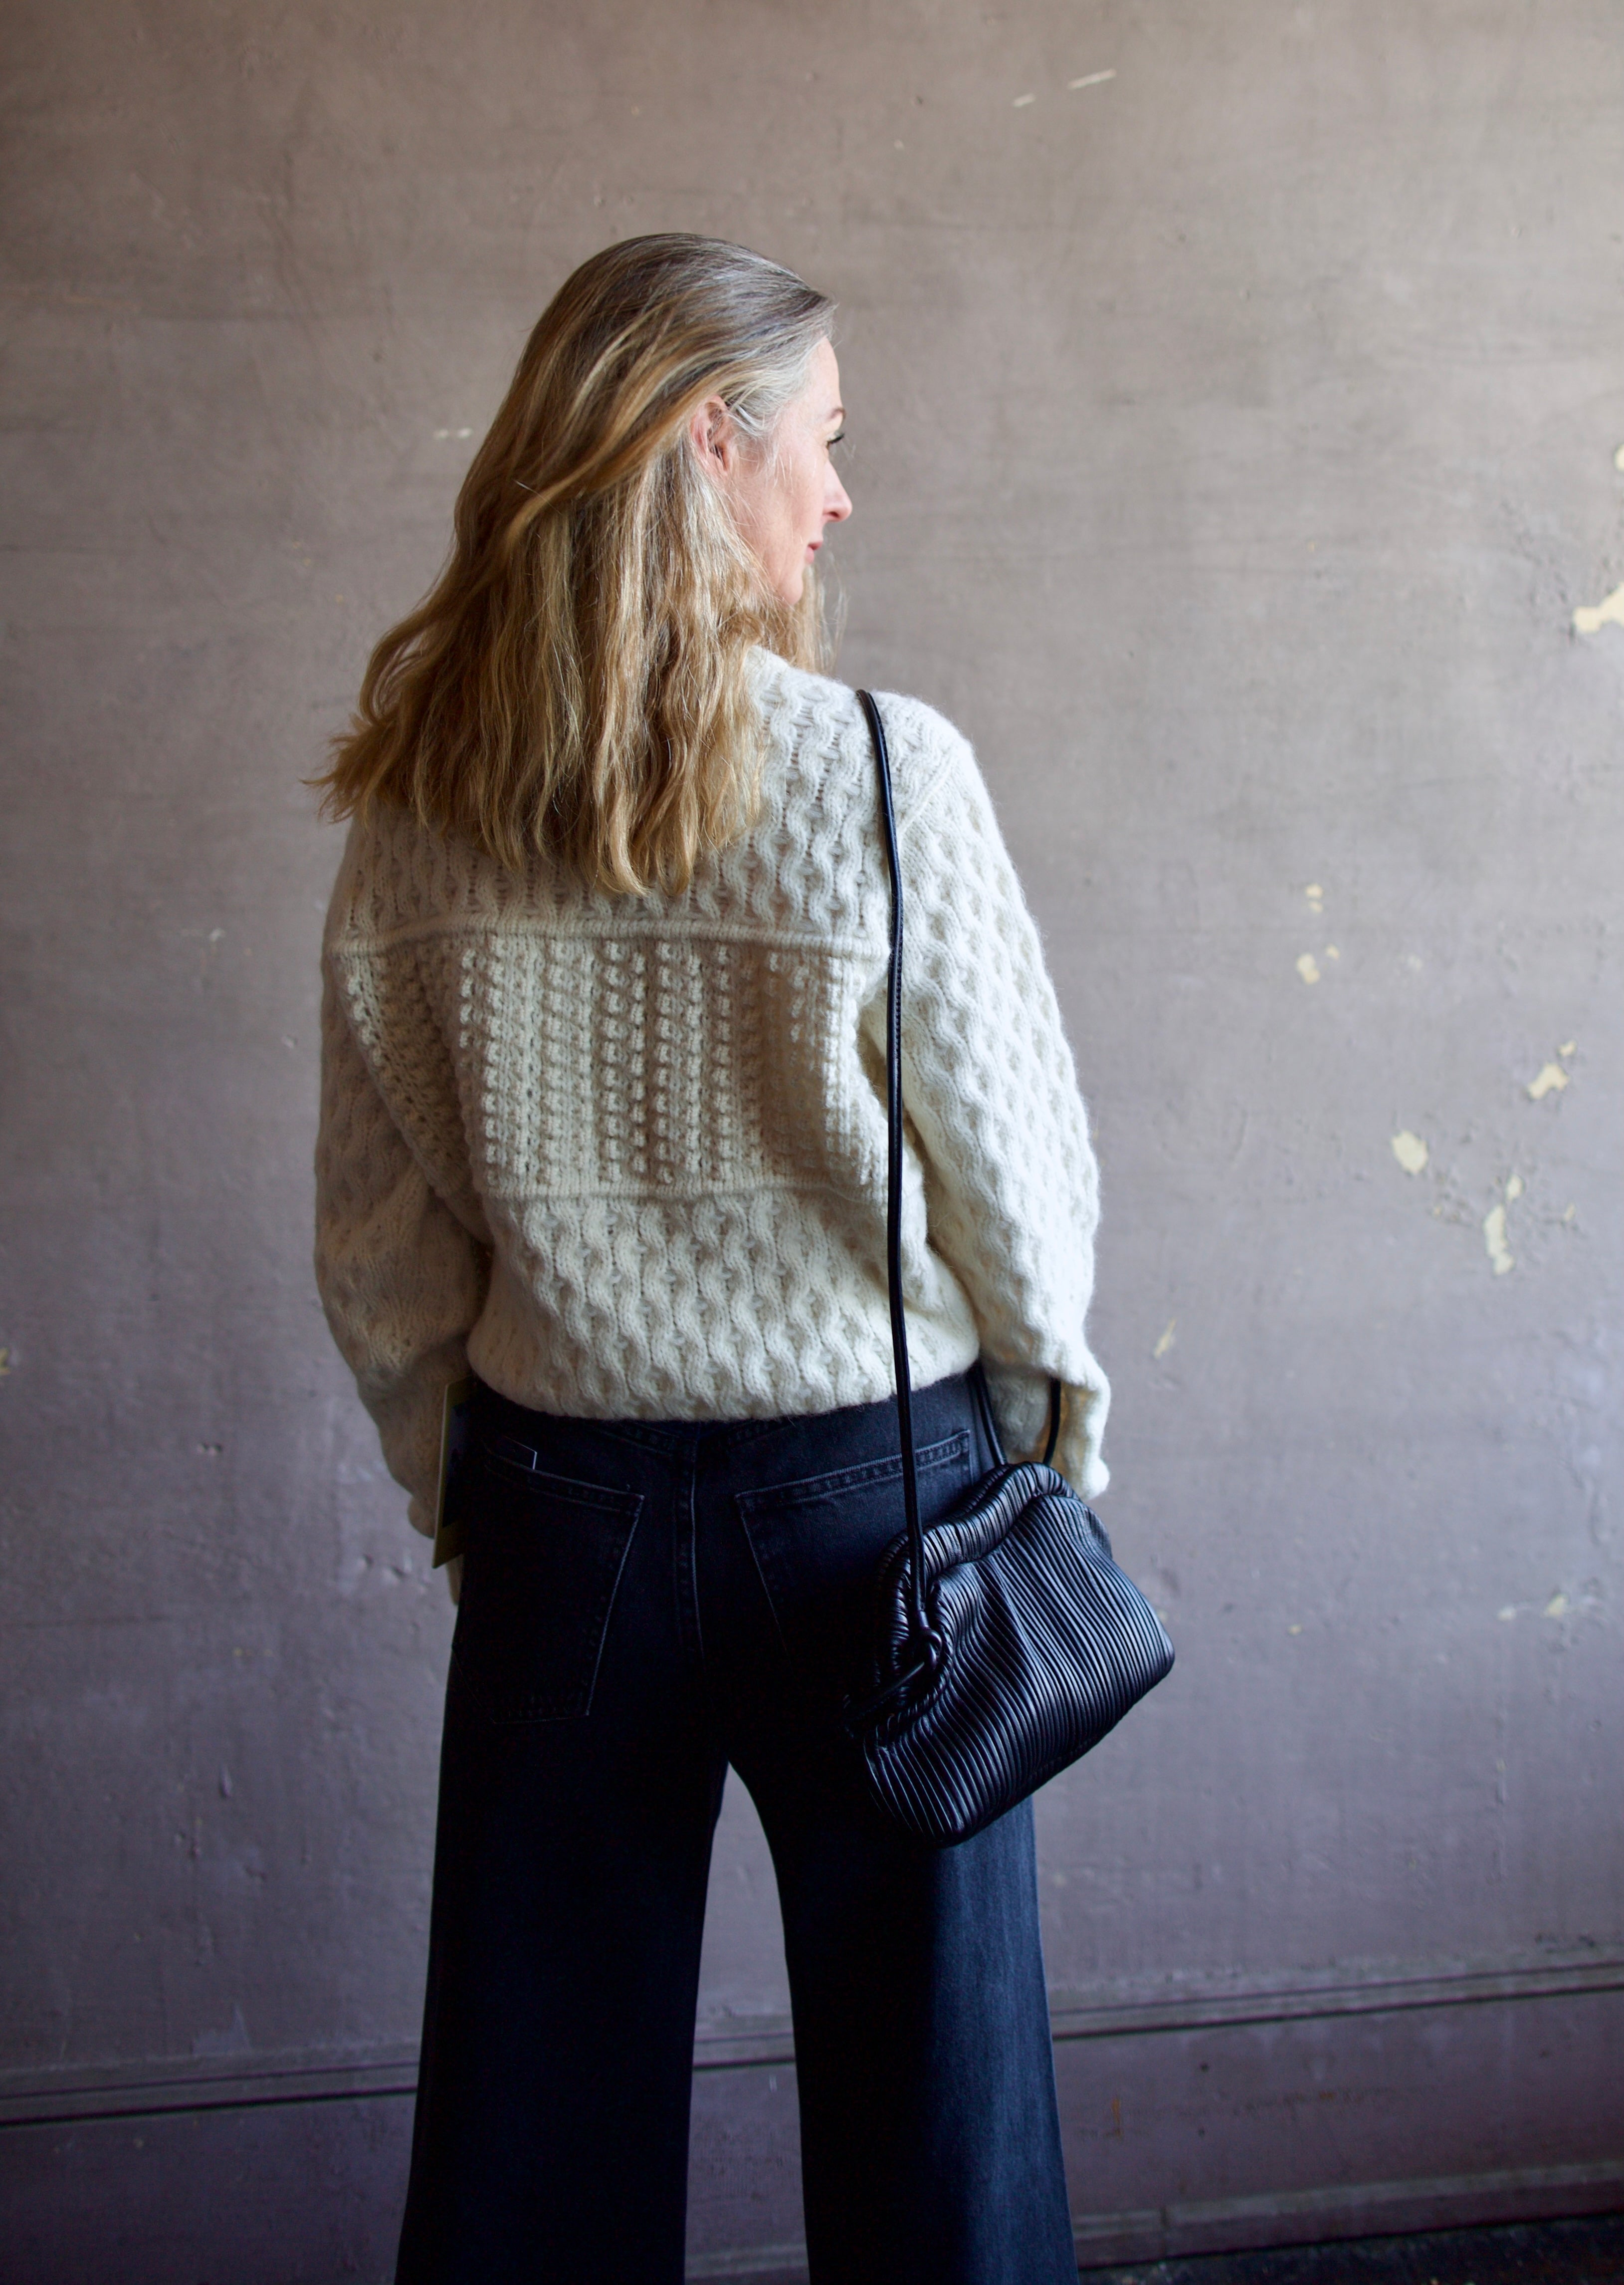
[493,1415]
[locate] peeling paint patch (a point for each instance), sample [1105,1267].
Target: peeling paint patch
[1409,1151]
[1549,1079]
[1589,619]
[1165,1341]
[1493,1241]
[1308,968]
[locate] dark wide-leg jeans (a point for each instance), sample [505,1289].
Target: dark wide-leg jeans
[641,1605]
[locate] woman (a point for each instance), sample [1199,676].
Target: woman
[603,1124]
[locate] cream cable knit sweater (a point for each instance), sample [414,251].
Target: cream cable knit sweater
[627,1159]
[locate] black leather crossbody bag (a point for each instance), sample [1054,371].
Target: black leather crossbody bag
[1007,1641]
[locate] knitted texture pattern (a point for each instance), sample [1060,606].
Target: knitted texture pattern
[626,1157]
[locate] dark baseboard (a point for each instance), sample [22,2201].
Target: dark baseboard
[1255,2113]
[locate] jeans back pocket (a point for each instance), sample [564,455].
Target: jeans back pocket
[543,1560]
[818,1544]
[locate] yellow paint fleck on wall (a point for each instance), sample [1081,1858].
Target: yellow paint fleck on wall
[1091,79]
[1590,619]
[1513,1188]
[1568,1047]
[1308,968]
[1165,1341]
[1409,1151]
[1557,1608]
[1494,1240]
[1549,1079]
[1315,896]
[1331,953]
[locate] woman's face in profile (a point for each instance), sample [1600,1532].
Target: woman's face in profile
[783,498]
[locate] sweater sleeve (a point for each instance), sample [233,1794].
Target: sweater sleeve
[1011,1184]
[402,1280]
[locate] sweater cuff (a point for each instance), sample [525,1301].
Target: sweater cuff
[1020,1395]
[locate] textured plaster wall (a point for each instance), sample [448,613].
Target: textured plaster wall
[1233,440]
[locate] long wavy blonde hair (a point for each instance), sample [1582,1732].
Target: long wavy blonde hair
[576,680]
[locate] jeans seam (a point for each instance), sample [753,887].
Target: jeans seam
[685,1551]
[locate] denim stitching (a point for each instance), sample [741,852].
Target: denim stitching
[799,1490]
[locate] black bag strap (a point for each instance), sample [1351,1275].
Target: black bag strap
[922,1631]
[893,1187]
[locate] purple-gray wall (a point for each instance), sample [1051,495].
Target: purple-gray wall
[1236,404]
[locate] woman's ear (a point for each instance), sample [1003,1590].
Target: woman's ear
[715,438]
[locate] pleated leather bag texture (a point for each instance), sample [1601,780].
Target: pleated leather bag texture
[1008,1642]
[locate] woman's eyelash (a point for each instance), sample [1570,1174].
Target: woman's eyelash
[839,438]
